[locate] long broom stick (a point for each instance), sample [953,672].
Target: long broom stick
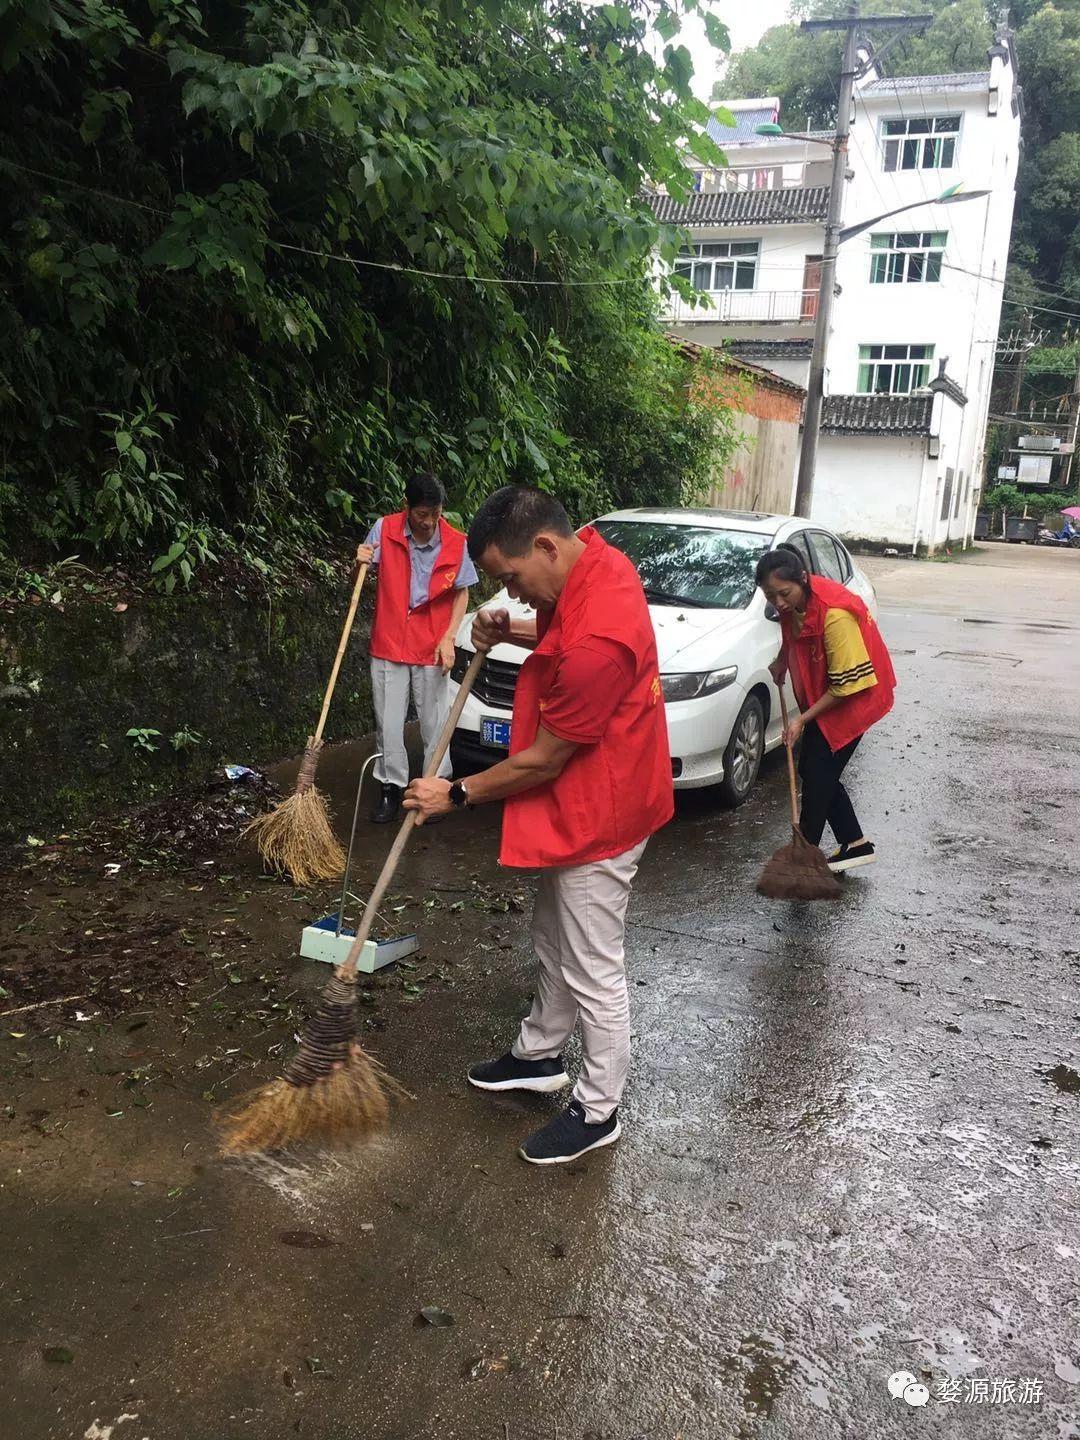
[798,871]
[333,1088]
[296,838]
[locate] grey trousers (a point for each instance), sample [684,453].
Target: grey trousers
[579,925]
[392,685]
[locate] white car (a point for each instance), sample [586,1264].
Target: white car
[715,637]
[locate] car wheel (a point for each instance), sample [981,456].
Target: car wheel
[742,758]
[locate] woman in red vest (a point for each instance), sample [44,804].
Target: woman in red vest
[843,681]
[587,781]
[424,579]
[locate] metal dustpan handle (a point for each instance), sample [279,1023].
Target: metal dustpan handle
[352,840]
[347,970]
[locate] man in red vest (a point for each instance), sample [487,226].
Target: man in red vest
[424,579]
[587,781]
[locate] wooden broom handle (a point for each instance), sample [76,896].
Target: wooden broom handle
[347,970]
[361,576]
[790,762]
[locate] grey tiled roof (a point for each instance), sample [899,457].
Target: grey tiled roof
[726,356]
[771,349]
[876,414]
[948,386]
[928,84]
[744,207]
[745,123]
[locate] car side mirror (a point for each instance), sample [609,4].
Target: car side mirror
[771,613]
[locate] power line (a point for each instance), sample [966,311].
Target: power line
[274,244]
[1001,280]
[1042,309]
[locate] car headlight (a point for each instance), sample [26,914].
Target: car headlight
[701,682]
[462,661]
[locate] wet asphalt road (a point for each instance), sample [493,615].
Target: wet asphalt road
[850,1142]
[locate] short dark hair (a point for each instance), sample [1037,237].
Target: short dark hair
[513,517]
[423,488]
[786,562]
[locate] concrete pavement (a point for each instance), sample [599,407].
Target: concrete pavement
[850,1139]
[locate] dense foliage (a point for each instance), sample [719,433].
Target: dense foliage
[1044,271]
[1045,506]
[258,260]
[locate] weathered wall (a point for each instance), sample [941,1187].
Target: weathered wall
[866,487]
[247,675]
[761,475]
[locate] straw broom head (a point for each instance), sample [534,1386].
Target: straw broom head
[296,838]
[333,1090]
[798,871]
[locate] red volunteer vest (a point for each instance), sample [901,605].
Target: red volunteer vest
[406,636]
[807,663]
[612,795]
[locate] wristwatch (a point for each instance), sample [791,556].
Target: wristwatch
[459,796]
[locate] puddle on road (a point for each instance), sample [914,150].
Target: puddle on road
[762,1371]
[949,1350]
[979,657]
[1064,1077]
[1030,625]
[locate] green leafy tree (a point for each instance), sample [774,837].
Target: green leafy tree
[312,247]
[802,68]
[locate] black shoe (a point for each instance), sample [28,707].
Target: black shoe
[510,1073]
[850,857]
[389,807]
[568,1136]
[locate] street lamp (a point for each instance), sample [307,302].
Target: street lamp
[779,132]
[953,196]
[835,235]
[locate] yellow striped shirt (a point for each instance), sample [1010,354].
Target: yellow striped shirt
[846,657]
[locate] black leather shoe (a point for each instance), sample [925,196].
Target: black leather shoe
[389,807]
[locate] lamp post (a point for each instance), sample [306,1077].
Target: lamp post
[835,235]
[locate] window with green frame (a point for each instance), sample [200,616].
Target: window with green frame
[720,264]
[907,257]
[894,369]
[927,142]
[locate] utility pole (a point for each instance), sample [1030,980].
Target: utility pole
[1074,428]
[852,26]
[1021,361]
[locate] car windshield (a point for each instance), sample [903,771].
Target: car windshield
[689,564]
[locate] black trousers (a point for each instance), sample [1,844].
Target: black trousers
[824,798]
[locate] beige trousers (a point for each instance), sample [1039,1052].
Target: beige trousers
[392,686]
[578,930]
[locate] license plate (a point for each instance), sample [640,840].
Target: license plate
[496,732]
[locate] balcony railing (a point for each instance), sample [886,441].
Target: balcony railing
[746,306]
[793,176]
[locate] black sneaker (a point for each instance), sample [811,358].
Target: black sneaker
[510,1073]
[568,1136]
[389,807]
[850,857]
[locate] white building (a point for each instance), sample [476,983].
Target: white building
[910,354]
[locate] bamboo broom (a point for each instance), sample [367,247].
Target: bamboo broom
[333,1090]
[798,871]
[296,837]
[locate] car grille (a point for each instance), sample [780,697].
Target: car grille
[496,683]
